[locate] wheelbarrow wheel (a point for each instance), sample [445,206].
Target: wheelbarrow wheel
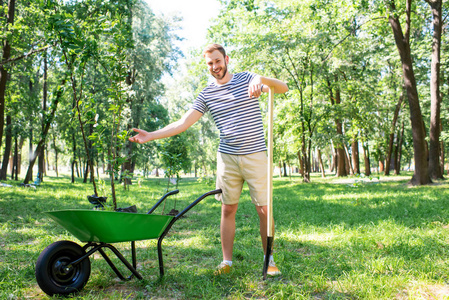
[55,274]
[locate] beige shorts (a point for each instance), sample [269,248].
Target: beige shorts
[234,170]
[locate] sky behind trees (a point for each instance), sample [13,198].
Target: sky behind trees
[195,21]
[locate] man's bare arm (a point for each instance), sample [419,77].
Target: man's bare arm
[189,118]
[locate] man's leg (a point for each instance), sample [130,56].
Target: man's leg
[227,229]
[255,174]
[262,212]
[230,181]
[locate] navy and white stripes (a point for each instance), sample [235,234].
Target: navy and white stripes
[237,116]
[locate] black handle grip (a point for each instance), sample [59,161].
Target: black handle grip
[196,202]
[161,200]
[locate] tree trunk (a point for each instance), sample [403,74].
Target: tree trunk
[441,152]
[86,173]
[74,162]
[339,155]
[73,166]
[128,147]
[381,166]
[341,162]
[3,71]
[348,161]
[397,169]
[19,155]
[30,149]
[306,165]
[127,165]
[41,159]
[41,144]
[7,153]
[41,164]
[334,159]
[320,160]
[91,154]
[280,168]
[421,175]
[85,142]
[435,171]
[391,136]
[366,159]
[305,160]
[396,153]
[15,169]
[55,148]
[442,157]
[301,166]
[355,156]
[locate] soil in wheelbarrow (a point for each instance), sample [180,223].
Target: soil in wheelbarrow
[173,212]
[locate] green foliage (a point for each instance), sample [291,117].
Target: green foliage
[174,157]
[117,52]
[319,47]
[113,54]
[79,51]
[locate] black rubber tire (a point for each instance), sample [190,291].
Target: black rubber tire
[51,274]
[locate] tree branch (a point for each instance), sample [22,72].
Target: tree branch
[348,35]
[24,55]
[408,8]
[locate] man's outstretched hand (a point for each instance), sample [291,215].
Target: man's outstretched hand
[142,136]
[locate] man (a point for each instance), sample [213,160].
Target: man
[233,102]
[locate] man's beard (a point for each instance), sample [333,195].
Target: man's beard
[217,75]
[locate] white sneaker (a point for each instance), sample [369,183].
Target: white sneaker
[223,268]
[272,269]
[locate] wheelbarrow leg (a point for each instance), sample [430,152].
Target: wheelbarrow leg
[159,242]
[159,247]
[133,253]
[132,268]
[124,261]
[111,264]
[159,255]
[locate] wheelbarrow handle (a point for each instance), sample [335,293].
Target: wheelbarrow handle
[162,200]
[179,215]
[159,242]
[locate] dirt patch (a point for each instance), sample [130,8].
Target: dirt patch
[127,291]
[304,251]
[435,291]
[34,292]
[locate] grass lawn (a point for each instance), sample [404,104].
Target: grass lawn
[335,239]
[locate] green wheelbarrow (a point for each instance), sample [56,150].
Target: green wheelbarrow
[64,267]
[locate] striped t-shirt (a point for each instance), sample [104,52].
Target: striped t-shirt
[237,116]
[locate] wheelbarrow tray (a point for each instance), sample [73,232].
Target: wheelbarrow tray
[109,226]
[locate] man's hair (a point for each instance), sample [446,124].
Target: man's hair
[212,47]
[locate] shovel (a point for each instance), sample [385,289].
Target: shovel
[269,183]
